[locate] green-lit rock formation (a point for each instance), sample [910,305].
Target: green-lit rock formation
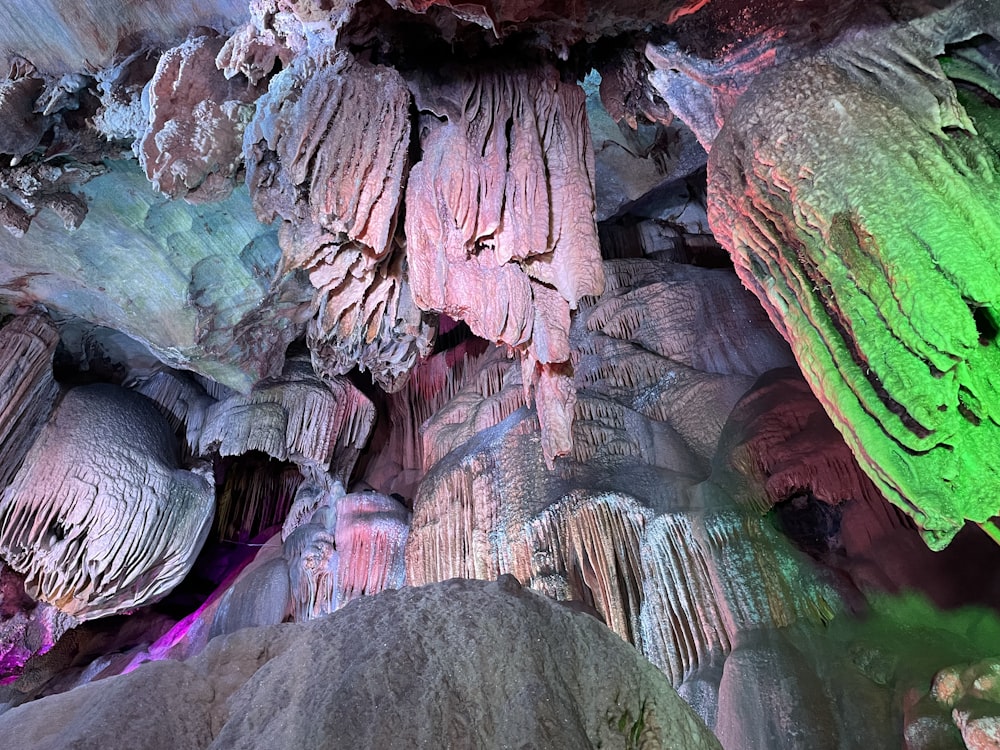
[857,192]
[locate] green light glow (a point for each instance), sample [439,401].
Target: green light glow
[871,234]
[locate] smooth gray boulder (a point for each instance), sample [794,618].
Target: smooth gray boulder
[458,664]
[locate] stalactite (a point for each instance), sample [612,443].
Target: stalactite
[592,543]
[493,214]
[400,462]
[256,494]
[887,296]
[779,443]
[491,395]
[326,154]
[296,417]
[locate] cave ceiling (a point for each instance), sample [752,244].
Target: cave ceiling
[602,295]
[217,181]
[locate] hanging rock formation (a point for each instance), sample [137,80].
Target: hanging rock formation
[295,417]
[193,143]
[326,153]
[100,519]
[779,436]
[499,221]
[888,296]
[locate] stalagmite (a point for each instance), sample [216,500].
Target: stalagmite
[371,536]
[340,546]
[100,519]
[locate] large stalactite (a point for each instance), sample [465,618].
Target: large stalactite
[887,293]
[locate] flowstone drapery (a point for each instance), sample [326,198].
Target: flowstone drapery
[100,519]
[888,296]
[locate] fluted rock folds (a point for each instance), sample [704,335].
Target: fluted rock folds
[100,519]
[500,220]
[864,219]
[326,153]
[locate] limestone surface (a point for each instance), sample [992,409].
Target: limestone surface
[101,519]
[387,672]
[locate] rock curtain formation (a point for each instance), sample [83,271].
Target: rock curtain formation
[100,519]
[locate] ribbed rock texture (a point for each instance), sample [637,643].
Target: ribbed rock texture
[385,672]
[293,417]
[326,153]
[27,388]
[499,220]
[599,527]
[887,295]
[100,519]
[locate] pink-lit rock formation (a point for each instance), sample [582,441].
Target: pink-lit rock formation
[100,518]
[326,153]
[779,436]
[342,546]
[27,627]
[499,220]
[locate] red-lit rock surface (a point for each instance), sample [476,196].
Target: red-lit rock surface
[193,143]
